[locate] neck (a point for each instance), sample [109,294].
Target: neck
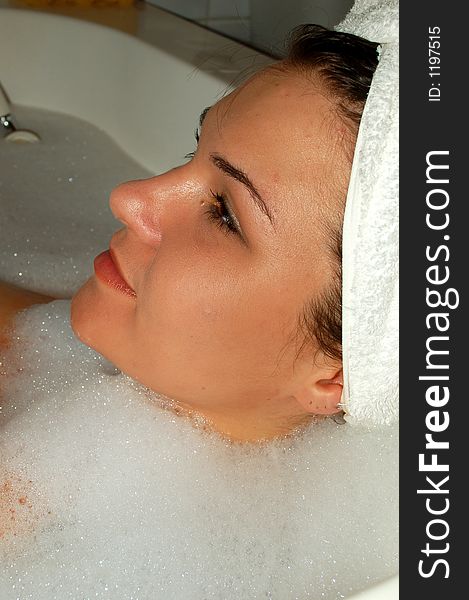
[253,424]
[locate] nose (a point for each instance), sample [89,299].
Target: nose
[135,204]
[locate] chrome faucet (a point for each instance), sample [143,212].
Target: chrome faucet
[7,127]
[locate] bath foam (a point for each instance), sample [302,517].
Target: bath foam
[54,195]
[117,497]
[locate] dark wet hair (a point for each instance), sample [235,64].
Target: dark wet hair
[344,64]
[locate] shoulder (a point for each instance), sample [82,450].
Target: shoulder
[12,300]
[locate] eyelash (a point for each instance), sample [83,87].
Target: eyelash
[197,137]
[219,213]
[225,220]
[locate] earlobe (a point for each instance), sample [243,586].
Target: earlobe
[323,395]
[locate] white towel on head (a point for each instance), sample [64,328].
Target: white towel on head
[370,337]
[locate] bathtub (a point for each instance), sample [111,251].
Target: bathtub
[121,69]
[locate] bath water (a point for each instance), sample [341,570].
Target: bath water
[106,493]
[54,199]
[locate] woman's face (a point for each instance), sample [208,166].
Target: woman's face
[222,253]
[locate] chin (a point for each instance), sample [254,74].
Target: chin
[81,312]
[102,319]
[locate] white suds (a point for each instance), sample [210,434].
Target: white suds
[116,497]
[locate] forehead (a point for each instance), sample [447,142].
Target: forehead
[276,103]
[282,129]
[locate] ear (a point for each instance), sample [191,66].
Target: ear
[322,394]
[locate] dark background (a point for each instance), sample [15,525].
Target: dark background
[426,126]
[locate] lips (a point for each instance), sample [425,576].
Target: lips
[107,271]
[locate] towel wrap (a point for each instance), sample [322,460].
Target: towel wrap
[370,259]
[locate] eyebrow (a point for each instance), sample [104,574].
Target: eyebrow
[203,114]
[238,175]
[241,176]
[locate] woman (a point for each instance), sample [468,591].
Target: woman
[222,290]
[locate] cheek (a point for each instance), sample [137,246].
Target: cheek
[188,300]
[201,309]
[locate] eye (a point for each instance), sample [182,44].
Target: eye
[197,137]
[221,215]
